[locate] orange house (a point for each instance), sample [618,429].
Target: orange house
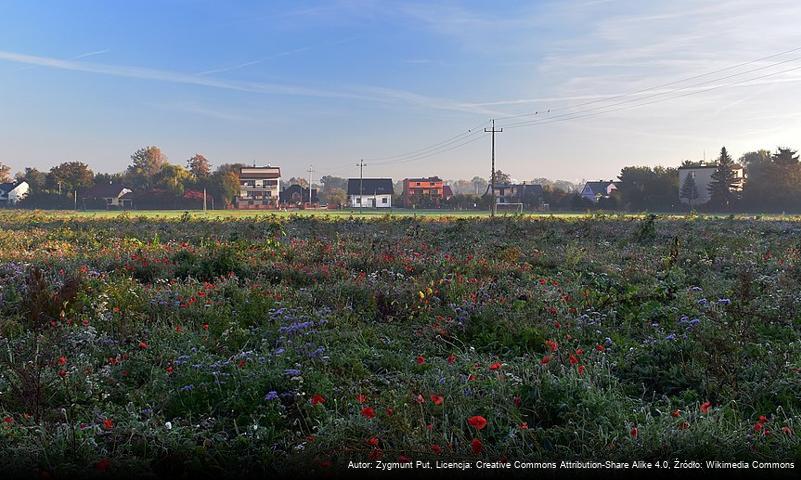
[423,192]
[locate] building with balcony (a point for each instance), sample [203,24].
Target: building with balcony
[259,187]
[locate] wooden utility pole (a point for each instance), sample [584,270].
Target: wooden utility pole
[493,131]
[361,166]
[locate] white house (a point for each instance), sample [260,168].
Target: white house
[593,191]
[370,192]
[13,192]
[702,175]
[107,195]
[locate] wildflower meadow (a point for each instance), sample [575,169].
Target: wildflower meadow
[263,345]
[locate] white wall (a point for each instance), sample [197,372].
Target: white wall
[19,193]
[381,201]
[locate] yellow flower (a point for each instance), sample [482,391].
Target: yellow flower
[421,295]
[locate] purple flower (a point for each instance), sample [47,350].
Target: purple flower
[271,395]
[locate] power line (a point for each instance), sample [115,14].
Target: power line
[450,140]
[576,115]
[673,91]
[663,84]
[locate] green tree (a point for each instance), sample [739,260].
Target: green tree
[649,189]
[199,166]
[36,179]
[145,164]
[70,176]
[173,179]
[336,196]
[785,157]
[501,177]
[723,191]
[689,190]
[224,183]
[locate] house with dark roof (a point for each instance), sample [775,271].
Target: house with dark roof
[107,195]
[297,195]
[370,192]
[594,191]
[13,192]
[527,194]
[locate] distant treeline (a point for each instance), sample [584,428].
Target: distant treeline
[772,184]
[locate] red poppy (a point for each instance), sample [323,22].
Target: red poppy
[437,399]
[552,345]
[373,442]
[108,424]
[143,345]
[419,398]
[471,378]
[375,454]
[524,426]
[317,399]
[368,412]
[436,449]
[421,359]
[62,360]
[451,359]
[600,347]
[676,413]
[478,422]
[476,446]
[545,360]
[103,465]
[62,373]
[361,398]
[178,329]
[581,369]
[205,326]
[573,359]
[758,427]
[8,420]
[389,412]
[634,432]
[404,459]
[787,430]
[169,370]
[705,407]
[517,401]
[579,351]
[763,419]
[495,366]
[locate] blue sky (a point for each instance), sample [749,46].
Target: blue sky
[296,83]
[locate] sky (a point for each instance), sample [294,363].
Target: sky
[582,88]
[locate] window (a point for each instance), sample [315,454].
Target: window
[358,199]
[384,200]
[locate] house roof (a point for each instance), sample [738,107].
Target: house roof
[735,166]
[8,186]
[423,179]
[370,186]
[105,190]
[599,186]
[259,173]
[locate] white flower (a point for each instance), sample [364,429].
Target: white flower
[168,425]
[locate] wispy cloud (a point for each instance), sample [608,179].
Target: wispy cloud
[177,77]
[366,93]
[77,57]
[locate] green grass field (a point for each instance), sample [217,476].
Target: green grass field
[398,212]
